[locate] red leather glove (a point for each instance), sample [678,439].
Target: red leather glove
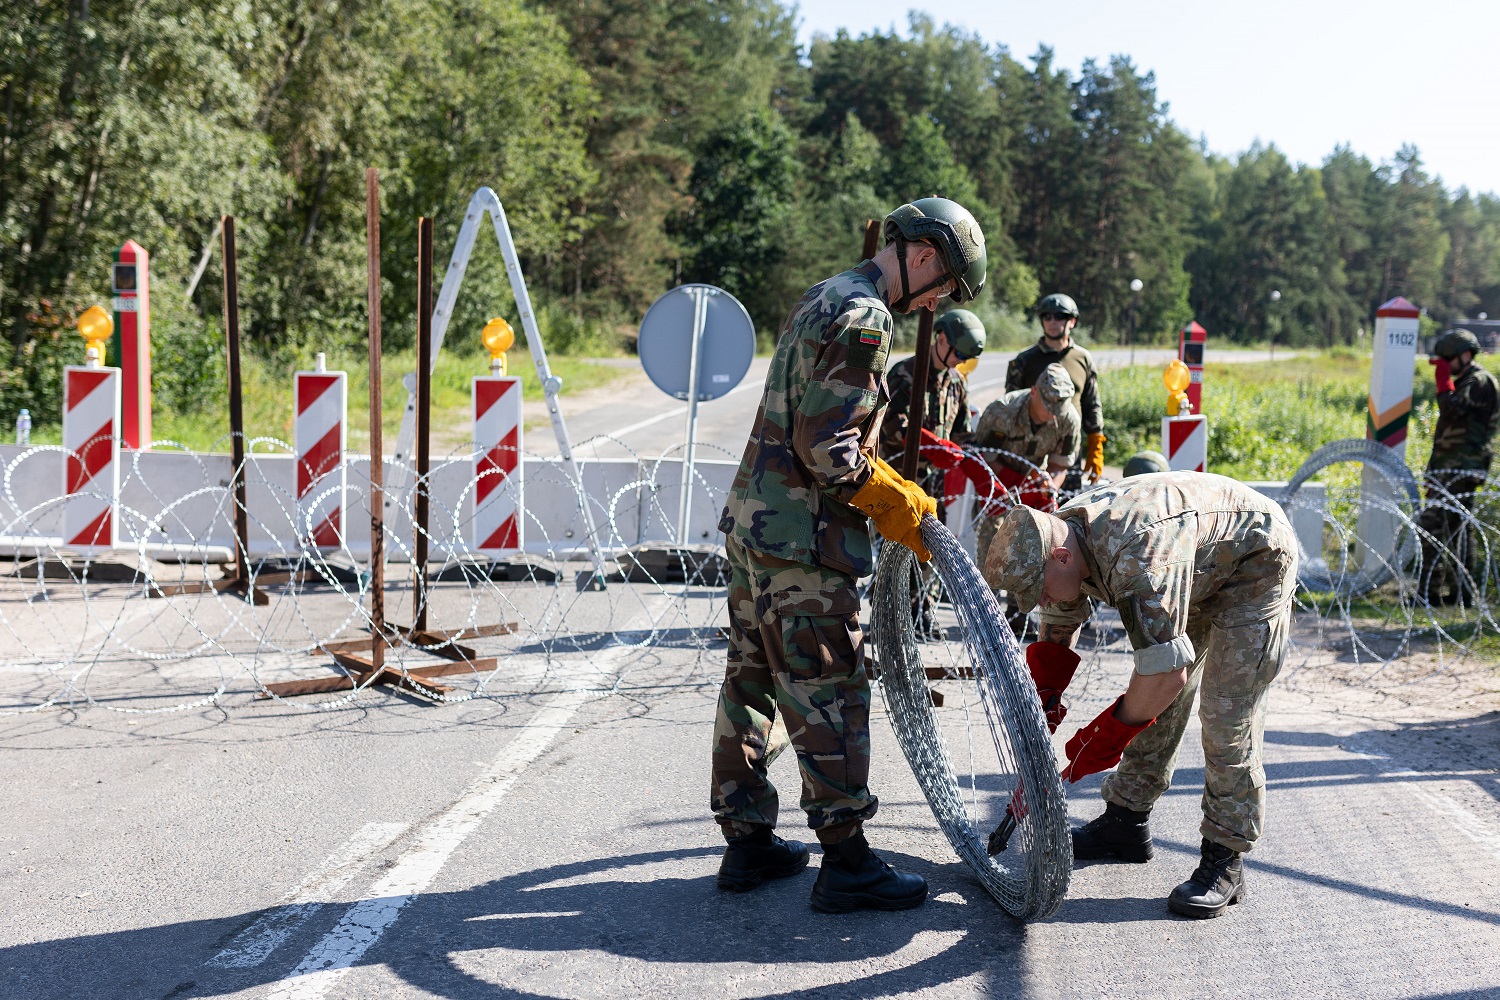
[941,452]
[1052,665]
[1039,498]
[1010,478]
[1443,375]
[1099,745]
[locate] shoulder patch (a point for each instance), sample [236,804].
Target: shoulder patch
[868,349]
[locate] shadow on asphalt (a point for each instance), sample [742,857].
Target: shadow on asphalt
[623,907]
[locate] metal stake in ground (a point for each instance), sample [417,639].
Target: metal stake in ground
[872,238]
[921,369]
[377,441]
[241,579]
[424,423]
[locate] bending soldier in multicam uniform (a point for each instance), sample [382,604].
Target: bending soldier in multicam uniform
[1035,428]
[1462,448]
[1202,570]
[798,540]
[957,336]
[1059,315]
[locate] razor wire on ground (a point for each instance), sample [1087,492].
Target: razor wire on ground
[1389,570]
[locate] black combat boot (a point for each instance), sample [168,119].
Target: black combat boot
[853,878]
[1218,882]
[751,859]
[1120,833]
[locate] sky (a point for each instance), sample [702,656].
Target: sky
[1306,76]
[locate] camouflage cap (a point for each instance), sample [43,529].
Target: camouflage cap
[1055,386]
[1017,555]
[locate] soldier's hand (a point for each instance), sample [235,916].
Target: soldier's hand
[1442,374]
[1099,745]
[1052,666]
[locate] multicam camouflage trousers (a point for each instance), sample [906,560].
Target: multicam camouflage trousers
[795,647]
[1234,669]
[1450,495]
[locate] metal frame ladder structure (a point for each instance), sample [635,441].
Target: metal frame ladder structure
[485,200]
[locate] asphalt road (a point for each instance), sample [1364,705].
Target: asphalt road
[551,840]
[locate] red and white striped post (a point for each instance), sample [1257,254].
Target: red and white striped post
[498,526]
[1190,344]
[1184,440]
[319,435]
[91,433]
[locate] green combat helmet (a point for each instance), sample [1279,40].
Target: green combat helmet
[1453,343]
[953,230]
[1144,462]
[964,330]
[1056,303]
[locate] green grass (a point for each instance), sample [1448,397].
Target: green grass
[1264,418]
[267,391]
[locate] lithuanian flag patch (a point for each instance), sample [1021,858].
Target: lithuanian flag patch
[870,338]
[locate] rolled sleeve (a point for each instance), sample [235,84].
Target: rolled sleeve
[1165,657]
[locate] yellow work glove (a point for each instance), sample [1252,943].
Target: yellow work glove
[897,507]
[1093,463]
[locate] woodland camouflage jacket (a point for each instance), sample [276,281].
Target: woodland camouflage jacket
[1164,546]
[808,450]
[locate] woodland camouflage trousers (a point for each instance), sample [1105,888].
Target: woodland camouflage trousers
[795,647]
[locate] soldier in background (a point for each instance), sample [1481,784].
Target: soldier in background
[1059,315]
[1203,571]
[1029,429]
[1462,448]
[957,336]
[797,526]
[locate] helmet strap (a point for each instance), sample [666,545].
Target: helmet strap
[907,295]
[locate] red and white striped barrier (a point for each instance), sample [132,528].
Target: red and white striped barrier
[319,435]
[91,433]
[498,526]
[1184,440]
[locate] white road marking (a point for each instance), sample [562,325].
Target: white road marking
[680,411]
[254,944]
[365,922]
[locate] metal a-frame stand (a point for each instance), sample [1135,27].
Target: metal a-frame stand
[486,201]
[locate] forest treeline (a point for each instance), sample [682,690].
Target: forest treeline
[639,143]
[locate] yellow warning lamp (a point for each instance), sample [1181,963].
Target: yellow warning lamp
[96,326]
[1177,378]
[498,338]
[967,366]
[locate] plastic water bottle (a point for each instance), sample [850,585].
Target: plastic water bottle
[23,428]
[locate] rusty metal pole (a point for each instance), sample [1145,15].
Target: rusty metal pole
[236,405]
[377,443]
[424,420]
[872,238]
[921,371]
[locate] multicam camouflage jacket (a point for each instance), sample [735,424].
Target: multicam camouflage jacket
[1162,546]
[1006,424]
[1025,368]
[1467,416]
[825,393]
[946,411]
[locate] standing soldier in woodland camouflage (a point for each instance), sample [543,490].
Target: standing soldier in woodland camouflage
[1020,433]
[957,336]
[1059,315]
[1462,448]
[1202,570]
[798,540]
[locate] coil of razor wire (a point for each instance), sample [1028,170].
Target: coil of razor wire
[1355,570]
[1029,878]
